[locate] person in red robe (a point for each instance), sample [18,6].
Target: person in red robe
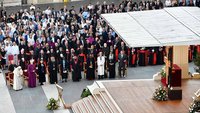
[152,57]
[82,57]
[143,60]
[116,53]
[133,57]
[190,57]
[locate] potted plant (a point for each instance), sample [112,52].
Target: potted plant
[85,93]
[160,94]
[52,104]
[163,76]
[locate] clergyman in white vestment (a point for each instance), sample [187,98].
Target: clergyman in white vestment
[17,82]
[15,52]
[100,64]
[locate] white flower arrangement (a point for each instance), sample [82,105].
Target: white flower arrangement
[160,94]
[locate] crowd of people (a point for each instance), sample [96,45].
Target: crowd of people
[59,42]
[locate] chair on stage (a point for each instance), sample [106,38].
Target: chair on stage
[10,79]
[7,78]
[25,73]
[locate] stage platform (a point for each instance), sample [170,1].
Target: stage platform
[135,96]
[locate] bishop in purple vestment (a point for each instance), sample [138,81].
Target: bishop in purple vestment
[31,75]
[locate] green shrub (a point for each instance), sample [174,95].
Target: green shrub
[85,93]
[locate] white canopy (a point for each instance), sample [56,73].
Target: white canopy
[166,27]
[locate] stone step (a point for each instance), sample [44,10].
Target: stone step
[98,108]
[89,105]
[107,99]
[75,108]
[93,87]
[82,107]
[102,103]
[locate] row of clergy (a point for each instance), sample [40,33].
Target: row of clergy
[52,68]
[135,56]
[103,63]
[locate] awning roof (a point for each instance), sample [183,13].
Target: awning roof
[165,27]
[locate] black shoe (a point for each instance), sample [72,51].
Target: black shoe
[65,80]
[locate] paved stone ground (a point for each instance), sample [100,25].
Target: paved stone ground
[33,100]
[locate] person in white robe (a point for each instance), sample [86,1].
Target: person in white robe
[100,64]
[15,52]
[17,82]
[8,49]
[31,39]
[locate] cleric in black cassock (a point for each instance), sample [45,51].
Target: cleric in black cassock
[90,66]
[64,68]
[52,68]
[42,72]
[111,64]
[76,69]
[160,56]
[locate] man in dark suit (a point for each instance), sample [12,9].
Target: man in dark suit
[122,63]
[123,48]
[64,65]
[52,69]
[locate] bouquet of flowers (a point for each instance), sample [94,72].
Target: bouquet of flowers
[195,106]
[160,94]
[52,104]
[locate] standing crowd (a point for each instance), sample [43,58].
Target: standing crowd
[67,41]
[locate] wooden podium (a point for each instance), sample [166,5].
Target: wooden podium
[175,93]
[175,77]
